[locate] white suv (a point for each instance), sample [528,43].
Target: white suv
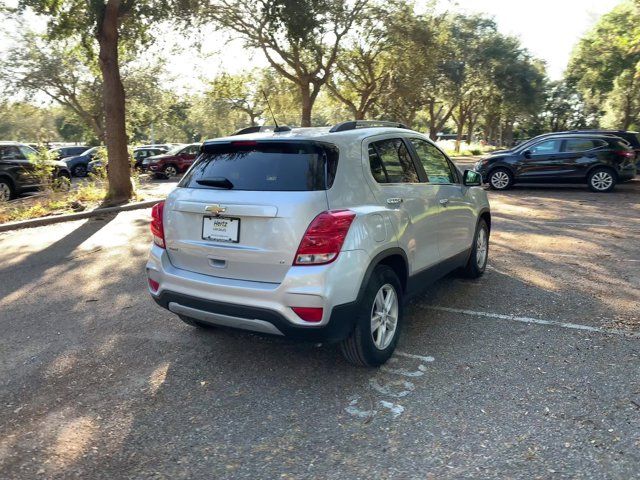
[319,234]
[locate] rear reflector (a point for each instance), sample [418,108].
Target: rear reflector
[157,225]
[308,314]
[323,239]
[153,285]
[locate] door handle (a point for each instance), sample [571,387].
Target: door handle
[394,201]
[444,202]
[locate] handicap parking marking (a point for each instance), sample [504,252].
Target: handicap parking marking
[537,321]
[390,385]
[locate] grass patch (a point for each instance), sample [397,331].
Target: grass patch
[87,195]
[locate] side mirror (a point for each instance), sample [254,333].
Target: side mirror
[472,178]
[526,154]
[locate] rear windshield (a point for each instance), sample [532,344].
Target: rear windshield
[264,166]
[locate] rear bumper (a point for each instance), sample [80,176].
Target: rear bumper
[339,326]
[266,307]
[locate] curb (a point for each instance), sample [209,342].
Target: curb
[39,222]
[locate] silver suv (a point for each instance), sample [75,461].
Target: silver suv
[318,234]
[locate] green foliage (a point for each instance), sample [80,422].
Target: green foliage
[604,67]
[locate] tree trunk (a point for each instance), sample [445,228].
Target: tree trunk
[119,171]
[307,105]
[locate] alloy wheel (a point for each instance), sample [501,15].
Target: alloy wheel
[384,316]
[5,192]
[481,248]
[602,180]
[499,180]
[170,171]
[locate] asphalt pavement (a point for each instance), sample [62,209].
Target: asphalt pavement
[532,371]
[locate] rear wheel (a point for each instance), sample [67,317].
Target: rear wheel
[500,179]
[6,190]
[170,171]
[601,180]
[80,170]
[479,253]
[377,328]
[194,323]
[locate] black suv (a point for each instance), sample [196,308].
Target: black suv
[16,170]
[599,160]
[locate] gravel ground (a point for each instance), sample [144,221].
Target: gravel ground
[532,371]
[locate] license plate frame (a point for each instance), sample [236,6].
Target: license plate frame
[225,237]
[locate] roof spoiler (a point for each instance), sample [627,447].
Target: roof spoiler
[263,128]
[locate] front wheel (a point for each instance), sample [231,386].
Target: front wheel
[6,191]
[500,179]
[477,263]
[601,180]
[377,327]
[80,170]
[170,171]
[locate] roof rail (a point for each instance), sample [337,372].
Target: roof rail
[263,128]
[353,124]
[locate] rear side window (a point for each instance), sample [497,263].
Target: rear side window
[582,144]
[391,162]
[264,166]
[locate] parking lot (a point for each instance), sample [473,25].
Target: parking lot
[532,371]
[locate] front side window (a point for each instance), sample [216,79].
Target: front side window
[546,147]
[10,152]
[434,162]
[391,162]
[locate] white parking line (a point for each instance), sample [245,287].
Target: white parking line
[538,321]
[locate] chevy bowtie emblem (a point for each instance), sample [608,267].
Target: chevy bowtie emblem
[215,209]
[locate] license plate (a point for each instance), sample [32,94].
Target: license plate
[221,229]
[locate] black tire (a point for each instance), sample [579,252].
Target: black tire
[359,348]
[7,192]
[500,179]
[80,170]
[195,323]
[170,171]
[602,180]
[474,267]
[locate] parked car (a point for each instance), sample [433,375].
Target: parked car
[173,162]
[142,153]
[318,234]
[65,152]
[79,165]
[600,161]
[17,171]
[630,137]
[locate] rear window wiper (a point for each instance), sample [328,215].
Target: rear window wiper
[220,182]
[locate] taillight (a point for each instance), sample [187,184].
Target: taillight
[323,239]
[308,314]
[153,285]
[626,153]
[157,226]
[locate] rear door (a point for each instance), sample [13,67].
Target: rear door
[457,215]
[578,155]
[243,208]
[413,204]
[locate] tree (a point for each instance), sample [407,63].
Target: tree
[242,93]
[301,39]
[108,27]
[605,65]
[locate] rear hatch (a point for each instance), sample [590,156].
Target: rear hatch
[242,209]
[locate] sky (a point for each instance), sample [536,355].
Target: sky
[548,28]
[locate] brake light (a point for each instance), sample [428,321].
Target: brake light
[244,143]
[308,314]
[323,239]
[626,153]
[157,226]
